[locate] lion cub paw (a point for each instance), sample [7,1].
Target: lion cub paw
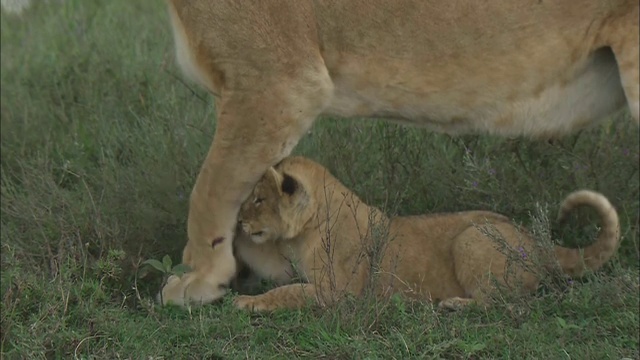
[252,303]
[189,289]
[455,303]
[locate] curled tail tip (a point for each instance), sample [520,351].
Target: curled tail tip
[590,198]
[598,253]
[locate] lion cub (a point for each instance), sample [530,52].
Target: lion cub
[299,217]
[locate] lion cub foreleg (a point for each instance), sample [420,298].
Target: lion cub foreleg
[458,303]
[292,296]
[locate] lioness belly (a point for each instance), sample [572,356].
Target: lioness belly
[458,98]
[505,67]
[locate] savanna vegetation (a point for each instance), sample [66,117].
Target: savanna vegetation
[101,144]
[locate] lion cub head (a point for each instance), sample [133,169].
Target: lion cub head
[278,208]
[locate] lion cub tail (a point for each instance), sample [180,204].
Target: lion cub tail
[575,261]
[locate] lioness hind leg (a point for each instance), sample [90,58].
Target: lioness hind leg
[255,129]
[622,35]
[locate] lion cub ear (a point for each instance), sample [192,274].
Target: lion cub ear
[274,179]
[297,195]
[289,185]
[284,183]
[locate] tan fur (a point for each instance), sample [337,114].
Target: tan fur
[537,68]
[448,258]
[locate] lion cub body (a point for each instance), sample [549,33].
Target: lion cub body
[301,221]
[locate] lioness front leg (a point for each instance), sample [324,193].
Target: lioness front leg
[268,93]
[256,129]
[293,296]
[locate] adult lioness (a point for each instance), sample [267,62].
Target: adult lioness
[538,68]
[300,214]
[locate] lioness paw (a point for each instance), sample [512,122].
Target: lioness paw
[190,289]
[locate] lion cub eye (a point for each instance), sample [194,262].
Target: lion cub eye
[258,200]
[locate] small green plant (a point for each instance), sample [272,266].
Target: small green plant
[563,324]
[166,266]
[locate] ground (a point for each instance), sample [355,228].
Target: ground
[101,143]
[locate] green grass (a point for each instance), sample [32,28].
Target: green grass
[101,143]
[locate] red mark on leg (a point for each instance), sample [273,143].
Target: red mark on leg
[217,241]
